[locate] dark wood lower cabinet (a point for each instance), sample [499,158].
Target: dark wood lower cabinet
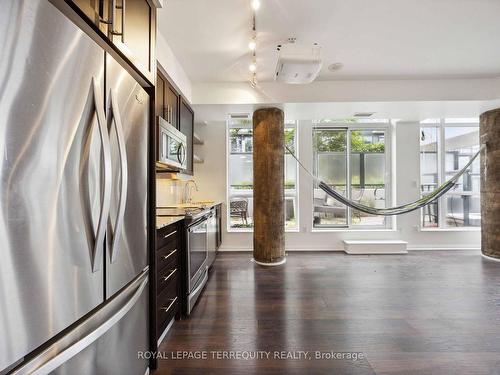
[166,273]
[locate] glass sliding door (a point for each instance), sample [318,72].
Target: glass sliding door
[429,173]
[463,201]
[446,145]
[330,165]
[353,161]
[367,169]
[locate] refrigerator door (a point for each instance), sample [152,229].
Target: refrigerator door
[109,341]
[128,123]
[51,175]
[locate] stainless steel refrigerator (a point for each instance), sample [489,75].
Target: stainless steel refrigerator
[73,205]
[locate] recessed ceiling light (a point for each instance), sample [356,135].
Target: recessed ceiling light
[255,4]
[335,67]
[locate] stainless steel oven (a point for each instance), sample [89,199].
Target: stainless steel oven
[172,151]
[197,260]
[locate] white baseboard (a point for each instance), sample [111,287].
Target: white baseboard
[442,248]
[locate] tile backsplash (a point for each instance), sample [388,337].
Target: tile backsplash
[168,191]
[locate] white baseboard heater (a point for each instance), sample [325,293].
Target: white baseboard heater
[375,247]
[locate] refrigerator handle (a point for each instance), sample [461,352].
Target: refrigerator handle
[96,255]
[114,119]
[78,339]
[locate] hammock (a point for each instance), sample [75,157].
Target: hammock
[403,209]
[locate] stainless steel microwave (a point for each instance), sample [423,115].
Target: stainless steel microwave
[172,150]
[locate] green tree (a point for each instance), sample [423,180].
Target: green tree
[290,139]
[335,141]
[330,141]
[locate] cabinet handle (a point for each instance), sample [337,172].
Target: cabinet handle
[123,21]
[165,278]
[122,9]
[172,301]
[108,21]
[170,234]
[165,257]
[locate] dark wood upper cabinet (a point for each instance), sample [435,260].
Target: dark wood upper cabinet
[167,100]
[132,30]
[96,11]
[160,94]
[172,106]
[130,25]
[187,128]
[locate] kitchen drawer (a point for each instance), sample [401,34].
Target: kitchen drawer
[166,235]
[166,276]
[167,304]
[168,255]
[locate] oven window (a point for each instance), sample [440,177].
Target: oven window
[197,247]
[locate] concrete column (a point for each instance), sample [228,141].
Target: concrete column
[490,183]
[268,186]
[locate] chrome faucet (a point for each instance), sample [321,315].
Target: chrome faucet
[187,195]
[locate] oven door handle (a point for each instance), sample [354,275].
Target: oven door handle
[202,283]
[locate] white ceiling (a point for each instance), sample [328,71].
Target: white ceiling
[374,39]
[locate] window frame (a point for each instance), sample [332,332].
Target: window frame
[441,125]
[381,125]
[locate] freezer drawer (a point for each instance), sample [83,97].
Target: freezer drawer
[107,342]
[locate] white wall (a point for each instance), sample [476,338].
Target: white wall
[173,67]
[211,178]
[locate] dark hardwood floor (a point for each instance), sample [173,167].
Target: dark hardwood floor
[422,313]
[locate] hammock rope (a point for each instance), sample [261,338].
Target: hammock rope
[398,210]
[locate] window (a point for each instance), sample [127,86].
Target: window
[240,176]
[445,147]
[354,161]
